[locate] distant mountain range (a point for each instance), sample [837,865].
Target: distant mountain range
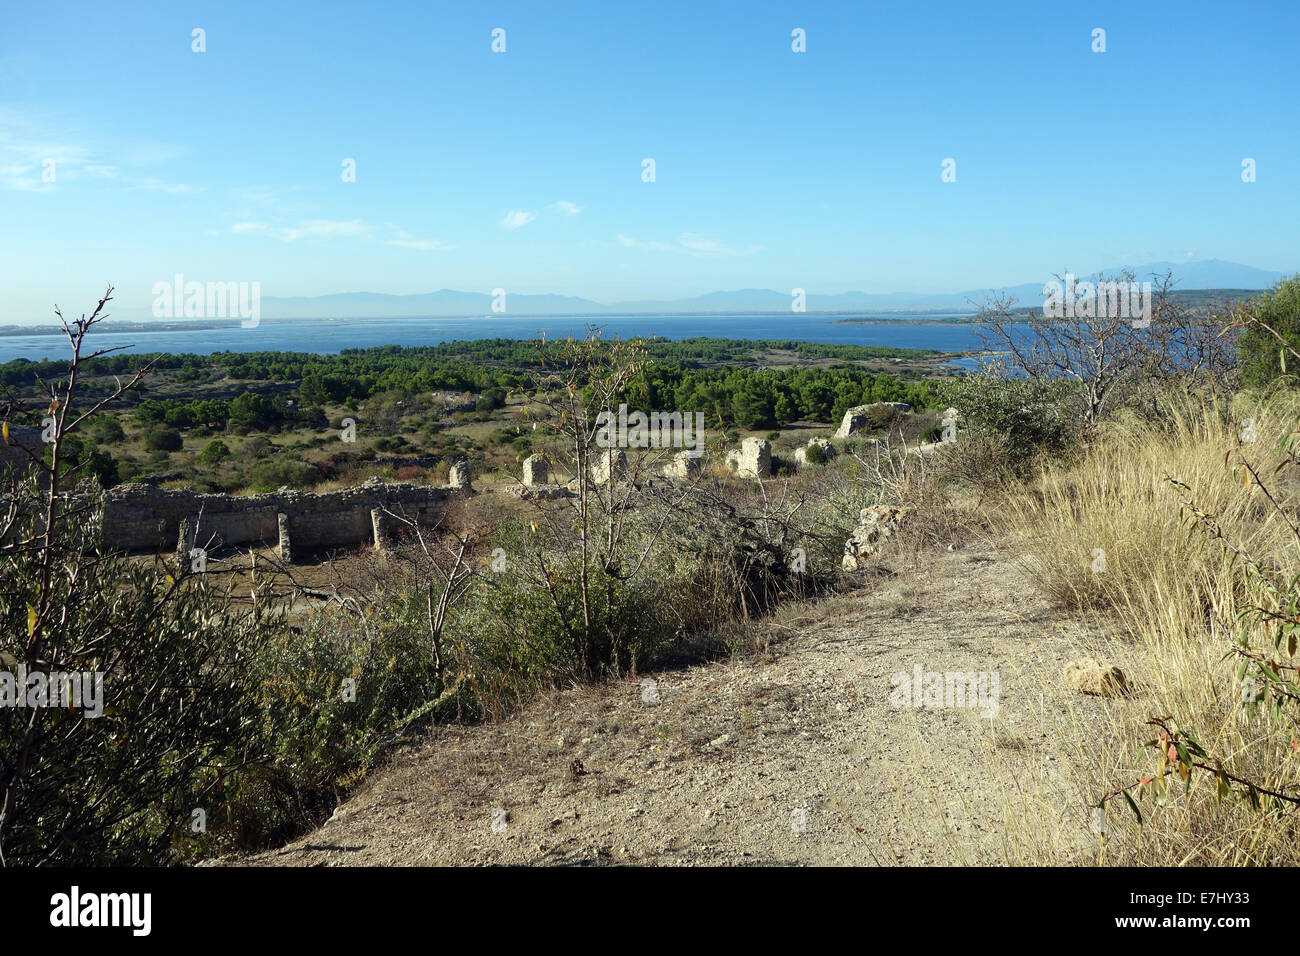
[1192,274]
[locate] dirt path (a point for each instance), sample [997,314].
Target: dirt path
[796,758]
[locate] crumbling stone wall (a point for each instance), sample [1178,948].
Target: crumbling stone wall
[857,419]
[825,448]
[608,465]
[875,525]
[753,459]
[211,531]
[684,465]
[140,518]
[458,476]
[537,470]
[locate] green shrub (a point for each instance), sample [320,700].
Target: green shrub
[1025,418]
[1259,353]
[81,459]
[258,447]
[332,695]
[882,417]
[537,635]
[530,625]
[214,452]
[254,411]
[163,439]
[273,474]
[179,701]
[107,430]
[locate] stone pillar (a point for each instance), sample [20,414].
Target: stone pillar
[608,465]
[458,477]
[184,543]
[537,470]
[753,459]
[684,464]
[286,545]
[379,521]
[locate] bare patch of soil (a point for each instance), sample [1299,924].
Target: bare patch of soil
[796,757]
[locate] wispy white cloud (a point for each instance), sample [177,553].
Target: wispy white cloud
[22,177]
[150,184]
[308,229]
[322,229]
[26,165]
[688,243]
[256,195]
[712,247]
[656,244]
[408,241]
[30,158]
[566,207]
[517,219]
[325,229]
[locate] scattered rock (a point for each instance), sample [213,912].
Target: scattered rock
[684,465]
[1090,676]
[608,465]
[858,418]
[540,492]
[753,459]
[875,524]
[825,451]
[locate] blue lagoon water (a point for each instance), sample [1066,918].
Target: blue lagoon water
[328,336]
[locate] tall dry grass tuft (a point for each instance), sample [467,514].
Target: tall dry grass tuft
[1110,537]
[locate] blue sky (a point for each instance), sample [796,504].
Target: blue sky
[522,170]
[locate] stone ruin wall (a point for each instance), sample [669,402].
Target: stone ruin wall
[140,518]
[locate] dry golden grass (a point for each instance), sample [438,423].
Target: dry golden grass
[1109,539]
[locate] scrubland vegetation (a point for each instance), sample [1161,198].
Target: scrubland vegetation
[252,422]
[1171,555]
[1153,498]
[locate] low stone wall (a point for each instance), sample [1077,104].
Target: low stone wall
[140,518]
[857,418]
[211,531]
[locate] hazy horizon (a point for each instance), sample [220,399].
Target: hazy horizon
[447,303]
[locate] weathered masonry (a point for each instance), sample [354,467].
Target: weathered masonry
[138,517]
